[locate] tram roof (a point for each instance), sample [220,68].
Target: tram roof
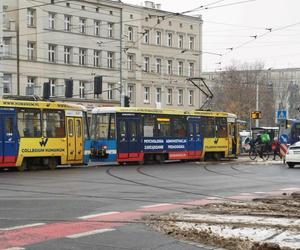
[39,104]
[103,110]
[212,113]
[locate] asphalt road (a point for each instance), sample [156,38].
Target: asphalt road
[102,207]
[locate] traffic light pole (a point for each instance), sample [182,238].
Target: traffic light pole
[257,90]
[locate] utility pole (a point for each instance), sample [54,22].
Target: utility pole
[18,48]
[121,59]
[257,90]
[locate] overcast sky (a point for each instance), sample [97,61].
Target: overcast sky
[233,25]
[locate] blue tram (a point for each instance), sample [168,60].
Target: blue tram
[140,134]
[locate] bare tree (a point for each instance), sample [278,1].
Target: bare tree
[235,92]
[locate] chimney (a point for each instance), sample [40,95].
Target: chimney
[158,6]
[149,4]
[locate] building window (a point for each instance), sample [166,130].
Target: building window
[146,64]
[7,47]
[82,22]
[51,21]
[82,57]
[180,68]
[146,36]
[81,89]
[67,23]
[169,96]
[180,41]
[96,58]
[130,34]
[110,29]
[130,62]
[96,28]
[146,94]
[158,95]
[169,41]
[131,92]
[52,87]
[7,83]
[158,65]
[191,43]
[170,66]
[158,37]
[180,97]
[191,69]
[31,51]
[67,55]
[31,16]
[110,91]
[30,85]
[191,97]
[51,53]
[110,59]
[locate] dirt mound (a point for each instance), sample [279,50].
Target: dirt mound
[269,223]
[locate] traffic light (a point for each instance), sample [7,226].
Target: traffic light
[98,85]
[256,115]
[68,88]
[46,90]
[126,101]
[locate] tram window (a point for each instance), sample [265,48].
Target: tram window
[210,127]
[9,123]
[163,127]
[149,126]
[54,123]
[29,122]
[191,129]
[198,132]
[100,126]
[78,128]
[179,128]
[122,130]
[71,127]
[133,130]
[221,124]
[112,130]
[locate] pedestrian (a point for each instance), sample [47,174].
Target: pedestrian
[276,148]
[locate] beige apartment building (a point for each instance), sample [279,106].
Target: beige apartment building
[141,51]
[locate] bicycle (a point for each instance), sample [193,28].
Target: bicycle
[258,150]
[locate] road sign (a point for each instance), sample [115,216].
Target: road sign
[281,114]
[283,138]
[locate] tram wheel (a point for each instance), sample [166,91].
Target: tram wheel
[52,163]
[23,166]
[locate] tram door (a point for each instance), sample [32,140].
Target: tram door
[8,138]
[232,138]
[129,138]
[194,137]
[75,138]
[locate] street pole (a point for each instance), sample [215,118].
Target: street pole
[121,59]
[257,90]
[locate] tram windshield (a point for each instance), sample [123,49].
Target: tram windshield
[103,126]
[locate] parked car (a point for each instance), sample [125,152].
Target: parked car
[245,140]
[292,157]
[245,144]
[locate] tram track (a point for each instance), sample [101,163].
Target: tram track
[236,176]
[109,172]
